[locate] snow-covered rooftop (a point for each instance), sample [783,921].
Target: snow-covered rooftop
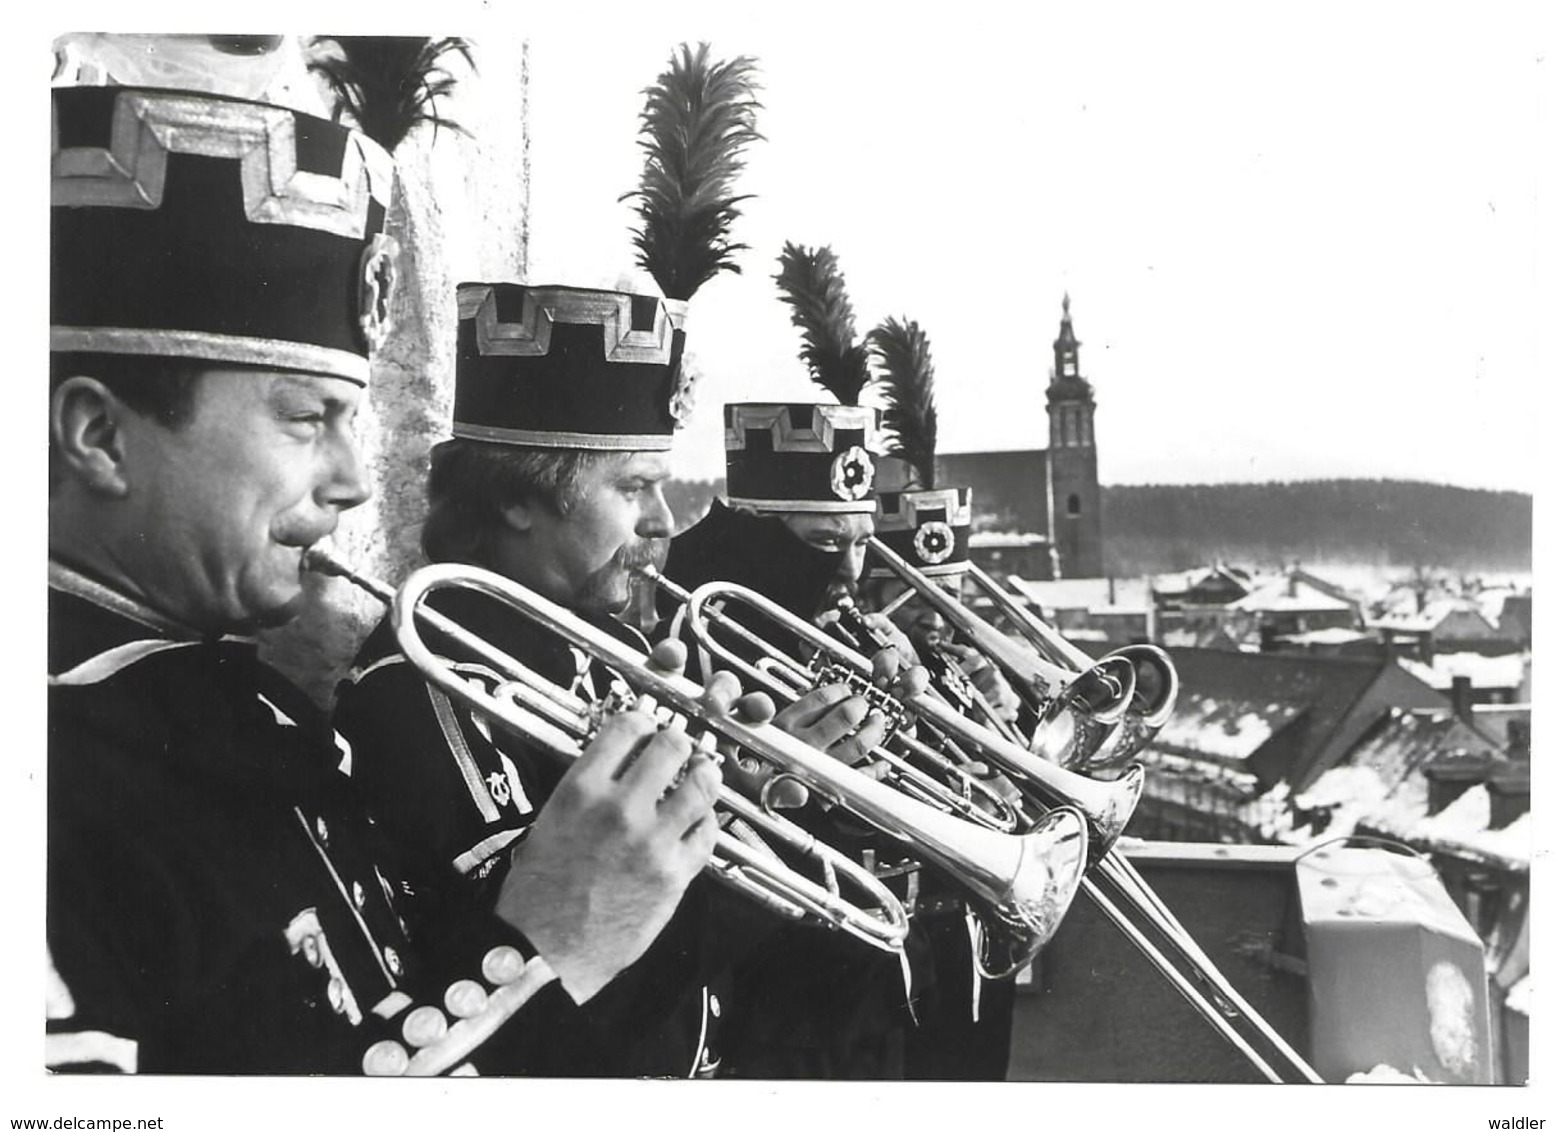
[1334,636]
[1127,594]
[1283,593]
[1223,728]
[1484,671]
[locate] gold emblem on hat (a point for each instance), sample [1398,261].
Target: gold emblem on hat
[853,474]
[683,395]
[375,289]
[934,542]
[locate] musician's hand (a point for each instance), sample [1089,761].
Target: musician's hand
[893,636]
[747,773]
[612,851]
[842,725]
[897,670]
[991,685]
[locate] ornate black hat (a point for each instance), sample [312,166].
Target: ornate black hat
[800,457]
[567,367]
[196,226]
[929,529]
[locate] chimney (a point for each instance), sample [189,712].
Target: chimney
[1518,740]
[1508,787]
[1462,696]
[1447,779]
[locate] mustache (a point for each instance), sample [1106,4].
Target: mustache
[644,552]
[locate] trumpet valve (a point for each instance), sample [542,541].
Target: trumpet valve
[880,700]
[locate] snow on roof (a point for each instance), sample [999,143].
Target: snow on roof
[1334,636]
[1430,619]
[1408,622]
[1350,793]
[1274,593]
[1223,728]
[1518,996]
[1484,671]
[1461,827]
[1130,595]
[1490,602]
[1000,540]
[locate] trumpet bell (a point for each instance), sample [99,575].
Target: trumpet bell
[1156,695]
[1018,921]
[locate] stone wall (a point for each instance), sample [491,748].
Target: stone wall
[460,213]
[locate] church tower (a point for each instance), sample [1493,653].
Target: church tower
[1074,497]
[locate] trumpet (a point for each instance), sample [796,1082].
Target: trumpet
[1156,686]
[1106,806]
[1021,886]
[957,791]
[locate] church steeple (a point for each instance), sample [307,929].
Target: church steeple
[1070,400]
[1075,498]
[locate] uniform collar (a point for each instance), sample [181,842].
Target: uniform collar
[68,580]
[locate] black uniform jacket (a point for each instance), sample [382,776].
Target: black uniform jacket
[815,1004]
[457,792]
[218,900]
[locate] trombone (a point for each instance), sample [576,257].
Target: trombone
[1156,687]
[1113,884]
[1021,886]
[1085,704]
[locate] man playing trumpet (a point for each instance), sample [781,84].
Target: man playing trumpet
[566,404]
[218,899]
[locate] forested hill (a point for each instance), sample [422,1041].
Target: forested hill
[1157,527]
[1154,528]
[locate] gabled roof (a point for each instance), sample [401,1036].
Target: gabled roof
[1291,593]
[1384,784]
[1431,618]
[1218,576]
[1323,692]
[1222,728]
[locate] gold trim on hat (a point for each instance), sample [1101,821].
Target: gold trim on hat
[815,506]
[149,125]
[911,501]
[598,441]
[543,307]
[826,421]
[268,353]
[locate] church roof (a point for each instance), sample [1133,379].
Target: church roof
[1009,489]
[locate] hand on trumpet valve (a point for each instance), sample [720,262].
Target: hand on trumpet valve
[721,696]
[993,687]
[610,855]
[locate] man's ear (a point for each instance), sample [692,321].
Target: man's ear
[519,515]
[84,427]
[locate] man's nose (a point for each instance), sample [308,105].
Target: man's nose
[851,568]
[657,520]
[345,485]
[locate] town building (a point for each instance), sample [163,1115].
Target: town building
[1044,503]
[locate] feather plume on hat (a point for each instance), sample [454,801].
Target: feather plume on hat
[696,122]
[390,84]
[812,285]
[908,392]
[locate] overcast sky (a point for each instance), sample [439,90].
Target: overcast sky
[1297,246]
